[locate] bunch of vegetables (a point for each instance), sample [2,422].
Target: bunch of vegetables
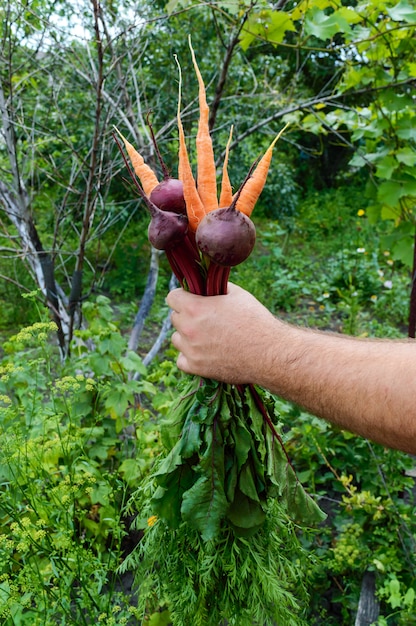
[224,498]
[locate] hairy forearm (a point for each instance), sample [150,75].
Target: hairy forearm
[365,386]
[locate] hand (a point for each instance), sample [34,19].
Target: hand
[220,337]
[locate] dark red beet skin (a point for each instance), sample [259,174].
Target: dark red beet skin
[168,196]
[166,229]
[226,236]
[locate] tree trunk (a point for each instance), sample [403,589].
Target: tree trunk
[39,261]
[368,606]
[147,301]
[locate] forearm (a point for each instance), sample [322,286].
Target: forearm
[365,386]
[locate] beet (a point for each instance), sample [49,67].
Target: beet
[226,236]
[168,196]
[166,229]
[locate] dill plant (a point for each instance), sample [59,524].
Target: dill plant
[67,463]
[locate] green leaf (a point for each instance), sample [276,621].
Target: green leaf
[279,24]
[169,463]
[246,513]
[395,597]
[231,477]
[160,619]
[406,127]
[100,493]
[247,483]
[409,597]
[266,24]
[132,470]
[324,26]
[171,428]
[403,11]
[205,505]
[242,441]
[389,213]
[167,500]
[390,192]
[407,156]
[120,396]
[131,362]
[386,167]
[113,344]
[401,243]
[299,505]
[190,439]
[403,251]
[174,5]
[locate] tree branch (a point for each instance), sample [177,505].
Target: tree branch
[224,71]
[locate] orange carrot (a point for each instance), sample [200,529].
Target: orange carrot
[226,196]
[206,173]
[194,206]
[146,175]
[255,184]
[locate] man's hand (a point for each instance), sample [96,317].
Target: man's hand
[220,337]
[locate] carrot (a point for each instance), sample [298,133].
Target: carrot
[206,172]
[145,173]
[194,205]
[226,196]
[255,184]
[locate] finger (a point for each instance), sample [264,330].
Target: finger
[173,315]
[173,298]
[175,319]
[182,363]
[176,339]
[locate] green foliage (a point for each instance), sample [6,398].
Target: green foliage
[365,54]
[224,460]
[329,267]
[217,494]
[369,496]
[241,580]
[76,438]
[14,308]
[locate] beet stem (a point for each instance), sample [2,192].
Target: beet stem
[186,262]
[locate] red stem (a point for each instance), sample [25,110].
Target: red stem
[266,416]
[184,262]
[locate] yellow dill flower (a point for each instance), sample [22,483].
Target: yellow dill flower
[152,520]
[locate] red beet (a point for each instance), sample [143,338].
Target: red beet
[166,229]
[226,236]
[168,196]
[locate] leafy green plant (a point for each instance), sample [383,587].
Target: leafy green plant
[369,498]
[76,438]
